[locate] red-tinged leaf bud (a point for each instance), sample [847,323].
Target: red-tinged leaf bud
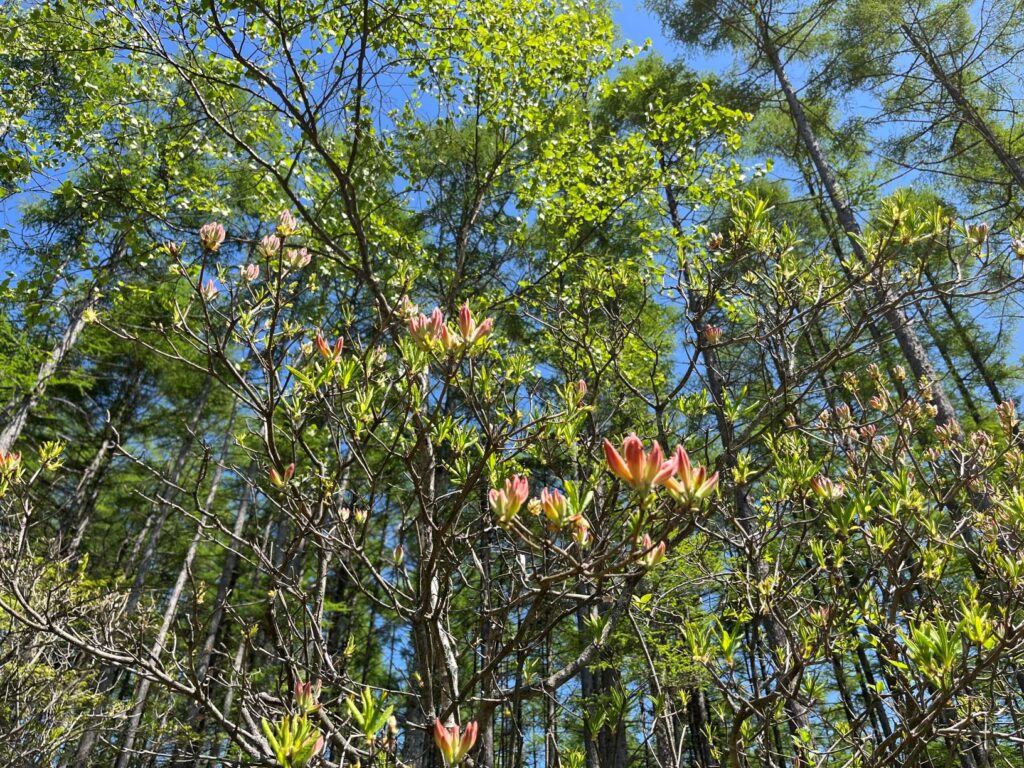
[281,479]
[211,236]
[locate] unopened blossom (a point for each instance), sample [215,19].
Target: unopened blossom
[471,332]
[249,272]
[1017,246]
[641,471]
[977,234]
[211,236]
[281,479]
[555,507]
[826,489]
[507,502]
[1007,413]
[712,334]
[580,531]
[10,462]
[398,554]
[269,246]
[689,485]
[652,554]
[425,330]
[307,696]
[453,742]
[296,258]
[326,350]
[209,291]
[287,224]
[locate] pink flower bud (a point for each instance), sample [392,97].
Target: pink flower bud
[507,502]
[326,351]
[211,236]
[287,224]
[269,246]
[209,291]
[454,743]
[281,479]
[640,471]
[692,486]
[249,272]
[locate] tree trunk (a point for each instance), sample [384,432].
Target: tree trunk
[913,350]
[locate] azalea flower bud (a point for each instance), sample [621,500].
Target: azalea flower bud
[580,531]
[712,335]
[977,234]
[1007,413]
[827,490]
[296,258]
[555,507]
[454,743]
[269,246]
[507,502]
[692,486]
[173,249]
[652,555]
[715,241]
[426,330]
[399,554]
[326,351]
[307,696]
[249,272]
[471,332]
[359,516]
[211,236]
[287,224]
[640,471]
[209,291]
[1017,246]
[10,462]
[281,479]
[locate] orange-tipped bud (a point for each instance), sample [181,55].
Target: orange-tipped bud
[692,485]
[641,471]
[651,554]
[281,479]
[454,743]
[555,506]
[327,351]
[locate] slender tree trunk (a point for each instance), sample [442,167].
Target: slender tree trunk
[913,350]
[165,505]
[967,112]
[130,731]
[22,408]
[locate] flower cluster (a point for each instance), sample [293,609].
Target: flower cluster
[434,332]
[689,486]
